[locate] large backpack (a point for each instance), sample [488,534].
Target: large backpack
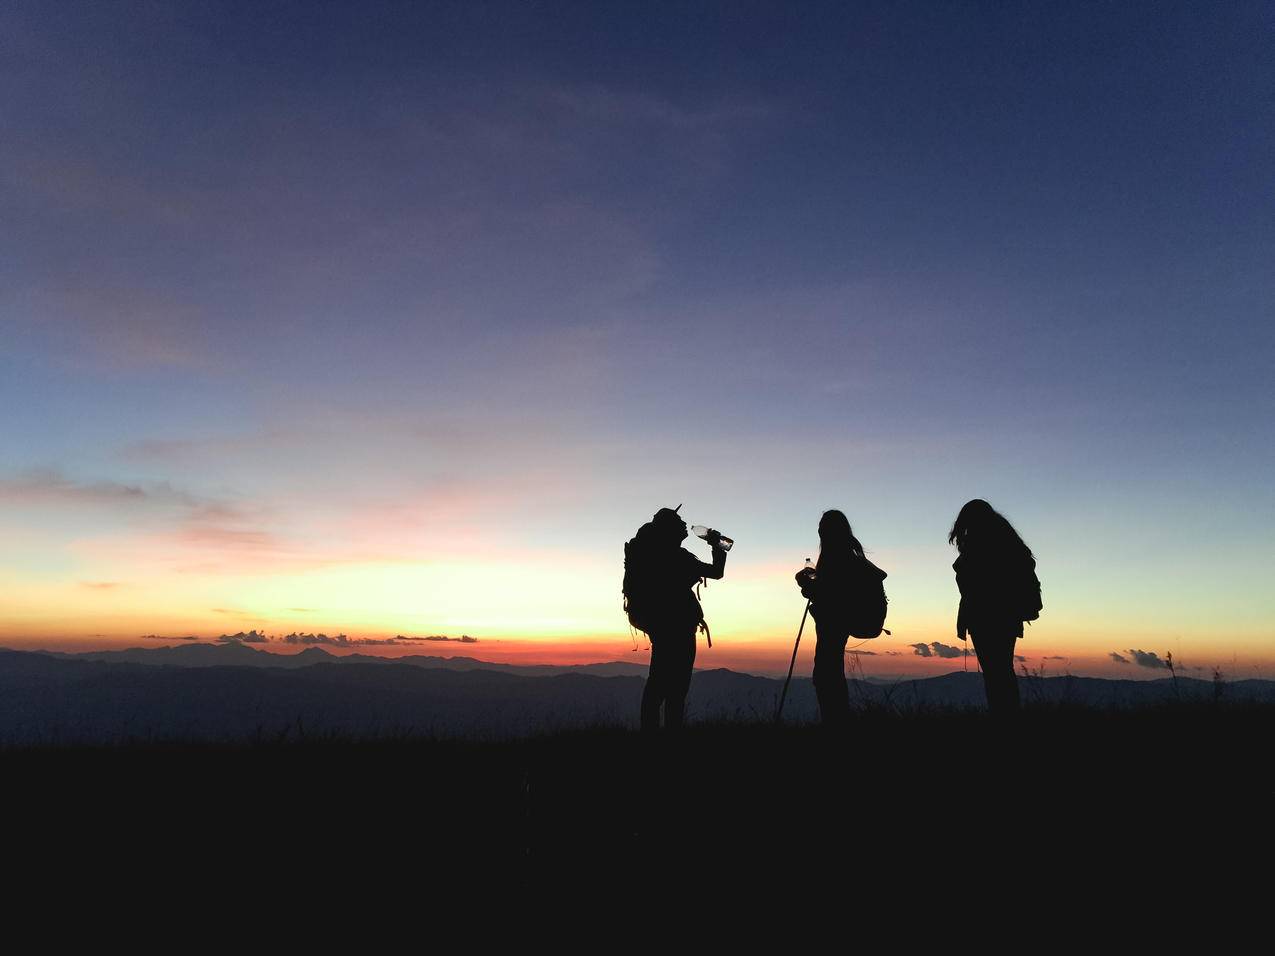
[638,588]
[649,602]
[867,612]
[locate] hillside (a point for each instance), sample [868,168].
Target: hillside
[74,699]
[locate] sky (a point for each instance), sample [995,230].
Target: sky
[398,319]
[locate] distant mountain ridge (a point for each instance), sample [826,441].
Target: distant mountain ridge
[103,697]
[238,654]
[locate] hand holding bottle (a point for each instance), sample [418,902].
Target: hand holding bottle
[806,575]
[715,539]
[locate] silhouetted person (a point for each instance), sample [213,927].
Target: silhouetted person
[659,578]
[996,575]
[846,598]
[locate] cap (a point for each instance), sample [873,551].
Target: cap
[667,514]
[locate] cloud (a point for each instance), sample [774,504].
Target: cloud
[936,649]
[209,449]
[250,637]
[463,639]
[47,486]
[1119,658]
[344,640]
[123,325]
[187,531]
[1020,659]
[231,539]
[208,524]
[100,585]
[864,653]
[1146,659]
[1054,657]
[336,640]
[331,640]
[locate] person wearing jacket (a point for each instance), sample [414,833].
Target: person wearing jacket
[837,587]
[996,575]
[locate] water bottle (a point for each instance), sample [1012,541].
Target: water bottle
[700,531]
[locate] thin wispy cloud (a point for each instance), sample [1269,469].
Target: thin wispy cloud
[220,538]
[50,487]
[343,640]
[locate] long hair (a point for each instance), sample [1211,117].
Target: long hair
[981,529]
[837,543]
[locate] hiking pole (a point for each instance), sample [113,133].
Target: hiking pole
[779,712]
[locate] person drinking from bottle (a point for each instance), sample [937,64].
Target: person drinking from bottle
[846,598]
[659,578]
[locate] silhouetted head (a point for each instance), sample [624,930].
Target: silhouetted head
[669,525]
[980,528]
[836,539]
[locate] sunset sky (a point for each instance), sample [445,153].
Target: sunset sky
[387,319]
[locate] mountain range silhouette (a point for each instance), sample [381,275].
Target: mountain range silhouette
[236,693]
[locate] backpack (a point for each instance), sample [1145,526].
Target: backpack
[867,615]
[1031,604]
[637,587]
[648,603]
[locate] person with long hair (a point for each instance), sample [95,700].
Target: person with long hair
[996,575]
[840,587]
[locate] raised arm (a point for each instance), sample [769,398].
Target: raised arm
[714,571]
[717,569]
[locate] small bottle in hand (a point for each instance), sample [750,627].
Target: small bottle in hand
[806,576]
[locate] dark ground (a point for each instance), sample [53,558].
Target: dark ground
[937,792]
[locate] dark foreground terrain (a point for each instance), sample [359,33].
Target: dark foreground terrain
[226,768]
[932,793]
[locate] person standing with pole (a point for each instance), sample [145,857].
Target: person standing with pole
[845,597]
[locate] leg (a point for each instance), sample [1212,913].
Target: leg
[830,679]
[995,653]
[653,691]
[679,680]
